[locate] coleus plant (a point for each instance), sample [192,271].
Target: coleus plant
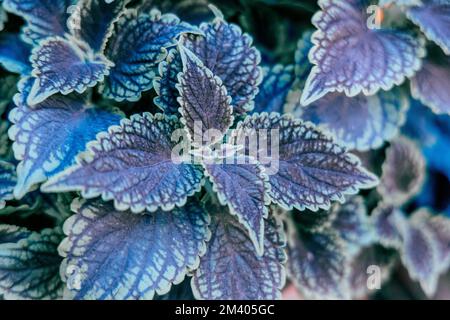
[241,177]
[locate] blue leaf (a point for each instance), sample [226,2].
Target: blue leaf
[431,86]
[92,21]
[205,105]
[229,54]
[274,89]
[388,221]
[138,44]
[433,135]
[64,66]
[352,223]
[360,122]
[45,18]
[349,57]
[49,135]
[403,172]
[8,181]
[29,264]
[306,168]
[120,255]
[241,184]
[439,228]
[419,254]
[316,263]
[231,268]
[165,83]
[134,165]
[14,54]
[433,18]
[12,234]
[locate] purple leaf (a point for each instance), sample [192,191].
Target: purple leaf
[205,105]
[274,89]
[50,135]
[241,184]
[29,264]
[433,18]
[229,54]
[316,263]
[419,254]
[431,86]
[349,57]
[306,168]
[165,83]
[8,181]
[133,165]
[439,227]
[45,18]
[231,268]
[359,122]
[92,21]
[120,255]
[139,42]
[192,11]
[361,270]
[388,221]
[65,66]
[14,54]
[403,172]
[352,223]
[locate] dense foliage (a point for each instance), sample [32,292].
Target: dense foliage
[156,149]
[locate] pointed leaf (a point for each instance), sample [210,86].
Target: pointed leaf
[433,18]
[352,223]
[360,122]
[349,57]
[205,105]
[165,83]
[138,44]
[306,168]
[134,165]
[274,89]
[45,18]
[14,54]
[419,254]
[61,65]
[241,184]
[430,86]
[8,181]
[120,255]
[388,221]
[48,136]
[403,172]
[92,21]
[229,54]
[317,263]
[29,264]
[231,268]
[439,227]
